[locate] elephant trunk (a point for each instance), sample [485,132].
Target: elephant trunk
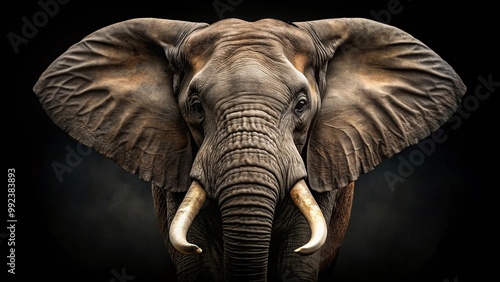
[247,171]
[247,211]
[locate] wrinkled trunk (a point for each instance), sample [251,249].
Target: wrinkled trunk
[247,211]
[247,193]
[246,176]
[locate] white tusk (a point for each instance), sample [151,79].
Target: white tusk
[306,203]
[189,208]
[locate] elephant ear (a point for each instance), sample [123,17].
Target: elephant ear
[381,91]
[114,92]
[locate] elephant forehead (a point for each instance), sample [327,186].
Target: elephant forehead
[266,40]
[249,70]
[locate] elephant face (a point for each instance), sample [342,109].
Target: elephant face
[251,133]
[249,89]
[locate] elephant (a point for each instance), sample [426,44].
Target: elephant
[251,134]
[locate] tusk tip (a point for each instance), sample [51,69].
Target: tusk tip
[188,249]
[308,249]
[192,249]
[304,251]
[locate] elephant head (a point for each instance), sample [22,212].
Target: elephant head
[251,133]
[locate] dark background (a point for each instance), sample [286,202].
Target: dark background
[97,220]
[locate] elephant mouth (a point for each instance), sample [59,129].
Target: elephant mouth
[196,196]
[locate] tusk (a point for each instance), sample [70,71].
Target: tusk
[189,208]
[306,203]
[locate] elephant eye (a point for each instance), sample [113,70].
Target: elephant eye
[301,104]
[196,105]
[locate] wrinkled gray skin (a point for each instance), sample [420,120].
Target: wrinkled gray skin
[247,109]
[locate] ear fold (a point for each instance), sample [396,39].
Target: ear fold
[381,91]
[114,92]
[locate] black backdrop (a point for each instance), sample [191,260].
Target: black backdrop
[82,218]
